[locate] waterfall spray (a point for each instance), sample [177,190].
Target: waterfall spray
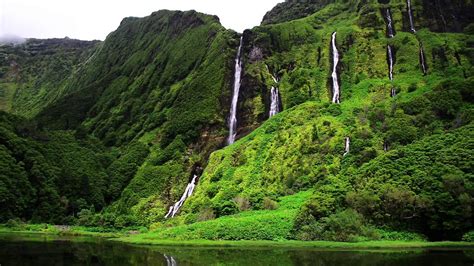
[235,96]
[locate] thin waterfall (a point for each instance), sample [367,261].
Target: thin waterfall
[390,31]
[274,97]
[390,61]
[275,102]
[390,58]
[422,60]
[347,146]
[187,193]
[410,16]
[336,98]
[235,96]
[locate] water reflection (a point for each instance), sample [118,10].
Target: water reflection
[41,250]
[170,261]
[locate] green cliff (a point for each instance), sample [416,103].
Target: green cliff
[133,119]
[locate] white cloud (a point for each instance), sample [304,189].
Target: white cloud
[94,19]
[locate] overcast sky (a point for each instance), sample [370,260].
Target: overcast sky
[94,19]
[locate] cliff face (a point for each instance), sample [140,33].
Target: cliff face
[293,9]
[303,148]
[445,15]
[157,93]
[438,16]
[159,83]
[163,81]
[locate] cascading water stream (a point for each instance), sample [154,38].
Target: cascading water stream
[423,65]
[347,146]
[410,16]
[187,193]
[390,61]
[335,83]
[274,97]
[390,31]
[390,58]
[235,96]
[422,60]
[275,102]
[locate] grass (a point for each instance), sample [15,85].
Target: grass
[246,225]
[60,230]
[298,244]
[78,234]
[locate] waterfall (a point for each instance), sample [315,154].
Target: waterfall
[393,92]
[275,102]
[390,31]
[347,146]
[187,193]
[335,82]
[410,16]
[235,96]
[390,61]
[274,98]
[422,60]
[273,77]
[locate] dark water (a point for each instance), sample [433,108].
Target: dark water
[53,250]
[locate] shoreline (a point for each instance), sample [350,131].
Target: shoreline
[141,239]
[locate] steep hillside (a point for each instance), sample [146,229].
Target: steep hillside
[303,148]
[293,9]
[441,15]
[34,74]
[353,122]
[159,82]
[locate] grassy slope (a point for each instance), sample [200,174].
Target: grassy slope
[129,95]
[262,224]
[304,145]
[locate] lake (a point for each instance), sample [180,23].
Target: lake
[39,249]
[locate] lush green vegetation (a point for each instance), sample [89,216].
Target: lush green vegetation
[136,120]
[34,74]
[52,176]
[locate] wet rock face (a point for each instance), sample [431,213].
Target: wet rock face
[446,15]
[256,54]
[437,15]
